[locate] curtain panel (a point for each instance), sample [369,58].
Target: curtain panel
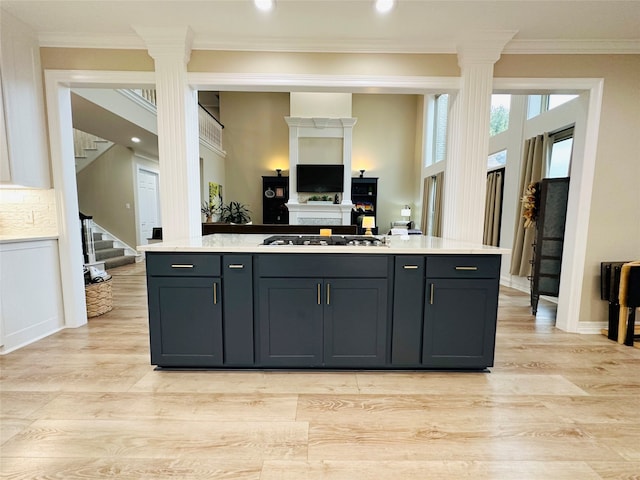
[533,160]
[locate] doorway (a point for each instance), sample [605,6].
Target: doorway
[147,203]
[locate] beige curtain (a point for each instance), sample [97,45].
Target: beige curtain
[437,207]
[426,204]
[532,170]
[493,208]
[432,202]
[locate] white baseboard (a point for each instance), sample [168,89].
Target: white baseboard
[592,328]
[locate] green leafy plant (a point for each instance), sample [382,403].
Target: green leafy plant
[322,198]
[235,212]
[209,209]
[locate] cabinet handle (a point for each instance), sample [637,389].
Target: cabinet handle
[467,268]
[215,293]
[237,266]
[181,265]
[431,295]
[410,267]
[328,294]
[319,294]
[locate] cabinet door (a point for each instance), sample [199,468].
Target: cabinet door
[460,323]
[355,322]
[185,321]
[290,323]
[238,309]
[408,304]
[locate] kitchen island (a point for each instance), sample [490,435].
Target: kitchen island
[414,302]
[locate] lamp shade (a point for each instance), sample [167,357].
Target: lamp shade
[406,211]
[368,222]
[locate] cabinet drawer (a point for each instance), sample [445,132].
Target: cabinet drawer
[347,265]
[463,266]
[183,265]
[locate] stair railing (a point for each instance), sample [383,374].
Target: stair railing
[88,247]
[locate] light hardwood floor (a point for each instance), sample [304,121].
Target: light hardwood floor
[86,404]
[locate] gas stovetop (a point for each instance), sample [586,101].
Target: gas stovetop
[335,240]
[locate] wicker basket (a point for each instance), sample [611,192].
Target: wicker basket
[99,298]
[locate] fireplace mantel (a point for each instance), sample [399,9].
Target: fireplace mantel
[316,127]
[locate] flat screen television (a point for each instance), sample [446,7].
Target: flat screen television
[320,178]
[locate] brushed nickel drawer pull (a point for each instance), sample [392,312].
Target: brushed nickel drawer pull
[431,295]
[215,293]
[410,267]
[318,294]
[181,265]
[237,266]
[472,269]
[328,294]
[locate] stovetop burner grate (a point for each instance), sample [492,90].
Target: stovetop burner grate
[333,240]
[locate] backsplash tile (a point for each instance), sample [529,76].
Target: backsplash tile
[28,212]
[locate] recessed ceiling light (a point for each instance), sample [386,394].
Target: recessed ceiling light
[384,6]
[135,139]
[264,5]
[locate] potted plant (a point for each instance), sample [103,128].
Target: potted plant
[235,212]
[320,199]
[208,209]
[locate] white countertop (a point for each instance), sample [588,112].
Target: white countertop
[250,243]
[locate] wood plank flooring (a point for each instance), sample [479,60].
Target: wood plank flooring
[86,404]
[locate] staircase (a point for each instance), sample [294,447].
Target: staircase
[111,255]
[87,148]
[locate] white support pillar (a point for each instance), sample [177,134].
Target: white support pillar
[468,145]
[177,132]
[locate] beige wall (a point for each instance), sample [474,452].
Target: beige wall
[383,144]
[105,187]
[212,169]
[614,224]
[256,139]
[324,63]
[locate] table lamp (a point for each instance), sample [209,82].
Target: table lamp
[368,223]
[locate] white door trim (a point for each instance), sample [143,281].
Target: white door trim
[136,198]
[59,82]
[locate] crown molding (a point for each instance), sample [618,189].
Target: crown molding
[335,45]
[572,47]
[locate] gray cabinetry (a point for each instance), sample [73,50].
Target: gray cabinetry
[185,310]
[290,322]
[336,318]
[408,313]
[199,314]
[237,309]
[461,302]
[322,310]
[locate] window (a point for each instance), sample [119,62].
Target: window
[497,160]
[499,119]
[559,162]
[441,113]
[536,104]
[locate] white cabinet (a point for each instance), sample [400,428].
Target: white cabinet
[24,156]
[30,292]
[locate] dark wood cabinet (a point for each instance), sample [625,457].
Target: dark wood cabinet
[275,194]
[364,196]
[549,239]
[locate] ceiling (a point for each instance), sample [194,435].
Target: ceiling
[413,26]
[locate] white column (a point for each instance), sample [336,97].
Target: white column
[468,145]
[177,132]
